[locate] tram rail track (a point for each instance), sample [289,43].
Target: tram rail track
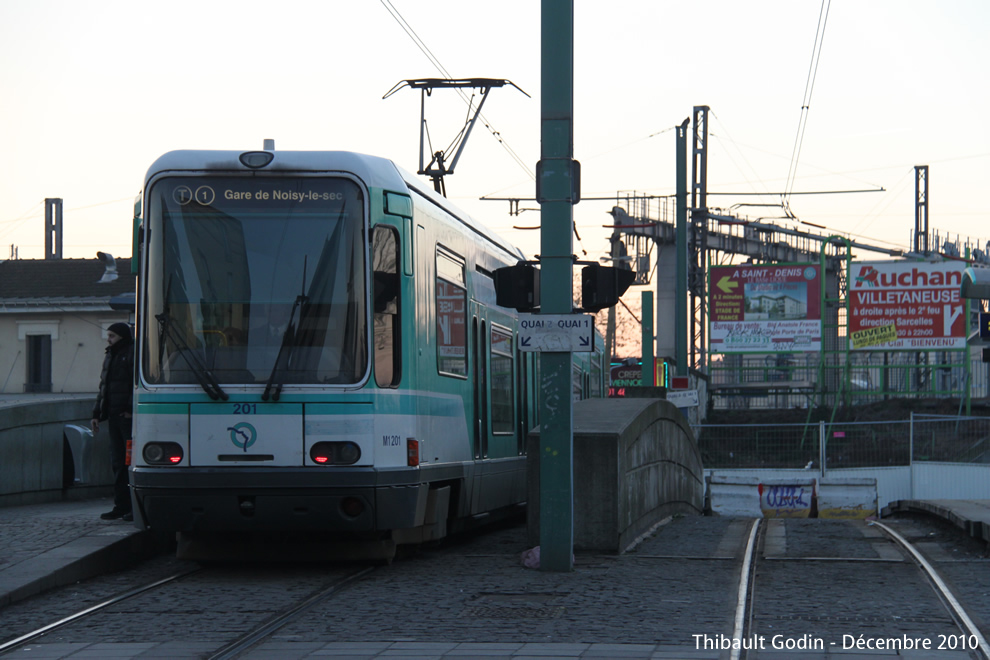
[949,599]
[831,580]
[29,637]
[748,640]
[238,646]
[226,651]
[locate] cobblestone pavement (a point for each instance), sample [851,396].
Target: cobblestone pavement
[472,598]
[483,594]
[26,531]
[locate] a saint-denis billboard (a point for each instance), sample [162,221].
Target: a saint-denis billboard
[765,309]
[906,306]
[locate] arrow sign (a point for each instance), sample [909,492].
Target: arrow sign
[727,284]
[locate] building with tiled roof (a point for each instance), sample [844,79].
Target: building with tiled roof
[53,319]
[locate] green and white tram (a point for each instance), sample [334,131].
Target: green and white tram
[320,351]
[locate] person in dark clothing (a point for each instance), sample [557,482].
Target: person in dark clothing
[113,405]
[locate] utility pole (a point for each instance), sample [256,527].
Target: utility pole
[921,209]
[699,238]
[648,361]
[555,193]
[616,250]
[681,230]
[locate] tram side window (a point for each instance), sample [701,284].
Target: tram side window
[596,375]
[451,314]
[385,272]
[502,381]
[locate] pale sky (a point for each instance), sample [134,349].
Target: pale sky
[91,93]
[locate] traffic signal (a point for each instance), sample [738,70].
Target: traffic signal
[602,286]
[518,287]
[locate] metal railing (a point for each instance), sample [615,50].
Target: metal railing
[800,380]
[821,446]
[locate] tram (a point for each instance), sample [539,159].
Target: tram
[320,352]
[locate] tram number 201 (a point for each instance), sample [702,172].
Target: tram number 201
[245,408]
[390,441]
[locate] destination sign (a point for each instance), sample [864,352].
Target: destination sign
[238,192]
[683,398]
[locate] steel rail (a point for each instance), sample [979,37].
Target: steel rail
[235,648]
[943,588]
[24,639]
[743,592]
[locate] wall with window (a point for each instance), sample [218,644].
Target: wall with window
[52,352]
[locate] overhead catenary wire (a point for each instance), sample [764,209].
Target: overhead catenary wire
[741,154]
[809,89]
[591,195]
[408,29]
[874,214]
[31,214]
[21,219]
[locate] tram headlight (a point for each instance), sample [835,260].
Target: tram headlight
[348,453]
[256,159]
[162,453]
[335,453]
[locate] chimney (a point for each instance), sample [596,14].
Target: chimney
[53,228]
[109,267]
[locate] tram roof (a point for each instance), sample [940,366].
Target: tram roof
[376,172]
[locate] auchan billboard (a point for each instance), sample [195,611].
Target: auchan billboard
[912,306]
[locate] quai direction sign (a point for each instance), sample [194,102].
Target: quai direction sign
[556,333]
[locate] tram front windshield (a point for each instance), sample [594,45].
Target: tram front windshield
[255,280]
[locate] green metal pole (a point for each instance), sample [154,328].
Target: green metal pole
[681,281]
[648,371]
[556,292]
[967,360]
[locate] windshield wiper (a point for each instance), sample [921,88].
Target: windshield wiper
[204,376]
[273,389]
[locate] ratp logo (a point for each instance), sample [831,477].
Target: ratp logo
[868,276]
[243,435]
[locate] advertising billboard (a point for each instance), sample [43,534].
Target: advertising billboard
[765,308]
[906,306]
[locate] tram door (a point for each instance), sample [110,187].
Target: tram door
[479,378]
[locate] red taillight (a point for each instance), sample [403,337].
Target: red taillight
[412,452]
[335,453]
[162,453]
[130,446]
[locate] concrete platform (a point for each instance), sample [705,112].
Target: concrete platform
[43,546]
[972,516]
